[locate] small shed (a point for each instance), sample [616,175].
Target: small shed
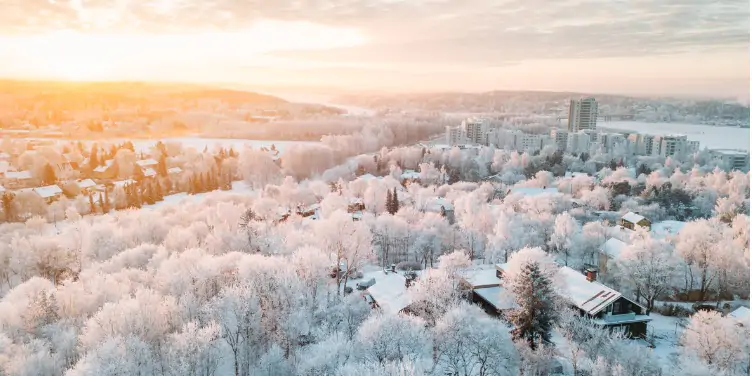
[631,220]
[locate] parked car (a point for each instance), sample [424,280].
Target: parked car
[365,284]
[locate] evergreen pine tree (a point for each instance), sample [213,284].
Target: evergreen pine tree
[8,211]
[106,207]
[202,183]
[162,166]
[395,201]
[101,203]
[389,201]
[93,158]
[149,194]
[48,175]
[92,207]
[158,191]
[537,313]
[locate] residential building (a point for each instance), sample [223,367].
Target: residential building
[665,146]
[631,220]
[86,186]
[476,130]
[454,136]
[49,193]
[529,192]
[641,144]
[578,142]
[484,283]
[583,114]
[390,294]
[531,142]
[607,307]
[610,141]
[693,147]
[733,159]
[559,137]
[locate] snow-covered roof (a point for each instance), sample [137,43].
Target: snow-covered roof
[357,215]
[741,314]
[104,167]
[355,200]
[591,297]
[390,293]
[19,175]
[666,228]
[532,191]
[493,295]
[368,177]
[632,217]
[174,170]
[434,204]
[149,172]
[48,191]
[2,189]
[613,247]
[410,174]
[86,183]
[146,162]
[480,276]
[123,183]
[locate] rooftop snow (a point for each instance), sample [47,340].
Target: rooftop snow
[86,183]
[149,172]
[174,170]
[410,174]
[2,189]
[435,204]
[478,277]
[532,191]
[632,217]
[390,293]
[48,191]
[493,295]
[20,175]
[666,228]
[146,162]
[591,297]
[123,183]
[741,314]
[613,247]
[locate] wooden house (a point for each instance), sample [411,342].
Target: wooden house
[631,220]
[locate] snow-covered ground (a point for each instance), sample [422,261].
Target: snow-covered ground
[708,135]
[199,143]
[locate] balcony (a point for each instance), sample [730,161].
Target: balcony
[619,318]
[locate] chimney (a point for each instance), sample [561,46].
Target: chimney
[591,273]
[394,268]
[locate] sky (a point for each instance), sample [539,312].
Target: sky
[668,47]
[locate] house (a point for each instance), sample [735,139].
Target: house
[441,206]
[309,210]
[632,219]
[106,171]
[144,163]
[49,193]
[356,204]
[484,283]
[174,171]
[666,228]
[607,307]
[86,185]
[610,250]
[18,179]
[530,192]
[123,183]
[409,176]
[390,293]
[149,172]
[740,314]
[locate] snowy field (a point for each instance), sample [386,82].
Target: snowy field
[708,135]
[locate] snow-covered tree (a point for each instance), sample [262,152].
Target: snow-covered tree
[537,313]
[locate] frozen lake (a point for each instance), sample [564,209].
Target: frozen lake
[708,135]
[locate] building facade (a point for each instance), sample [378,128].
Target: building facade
[578,142]
[476,130]
[583,114]
[559,137]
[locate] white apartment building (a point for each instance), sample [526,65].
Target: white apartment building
[642,144]
[583,114]
[609,141]
[559,136]
[733,159]
[455,136]
[476,130]
[502,138]
[665,146]
[578,142]
[693,147]
[531,142]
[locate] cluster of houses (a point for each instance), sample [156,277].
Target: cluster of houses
[100,179]
[583,292]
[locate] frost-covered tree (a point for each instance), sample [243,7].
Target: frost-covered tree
[717,341]
[537,313]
